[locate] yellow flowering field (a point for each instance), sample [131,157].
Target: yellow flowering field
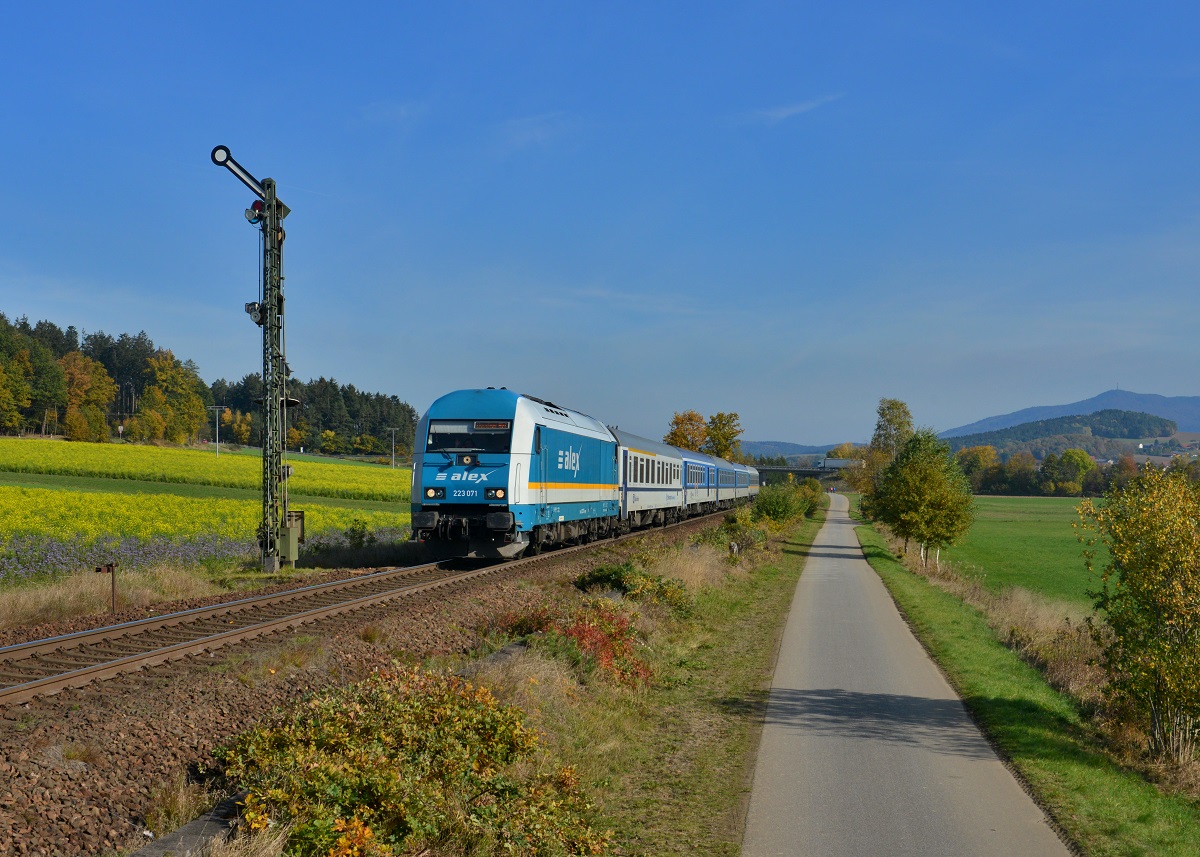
[166,464]
[77,516]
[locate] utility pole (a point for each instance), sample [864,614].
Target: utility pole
[277,536]
[393,431]
[217,409]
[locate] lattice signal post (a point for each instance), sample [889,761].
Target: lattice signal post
[278,534]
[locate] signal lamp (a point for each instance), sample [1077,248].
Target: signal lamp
[435,493]
[494,494]
[255,212]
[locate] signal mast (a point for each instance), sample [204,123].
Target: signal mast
[281,531]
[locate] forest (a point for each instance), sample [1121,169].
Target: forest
[98,386]
[1104,434]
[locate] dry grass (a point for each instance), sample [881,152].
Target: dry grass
[533,682]
[1052,635]
[697,566]
[89,754]
[372,634]
[266,843]
[87,593]
[176,803]
[301,652]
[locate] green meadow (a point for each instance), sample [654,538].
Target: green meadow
[1027,542]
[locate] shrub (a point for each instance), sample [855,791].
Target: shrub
[598,636]
[638,585]
[785,502]
[738,529]
[1150,597]
[405,762]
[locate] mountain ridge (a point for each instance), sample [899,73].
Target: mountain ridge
[1184,410]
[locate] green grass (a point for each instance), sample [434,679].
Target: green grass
[671,764]
[1105,809]
[1026,542]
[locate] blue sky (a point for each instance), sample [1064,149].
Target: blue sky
[786,210]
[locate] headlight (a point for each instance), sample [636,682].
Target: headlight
[494,493]
[435,493]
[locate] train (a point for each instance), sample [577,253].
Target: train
[501,474]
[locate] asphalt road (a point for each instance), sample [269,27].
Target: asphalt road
[866,749]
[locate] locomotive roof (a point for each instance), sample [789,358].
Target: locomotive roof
[493,402]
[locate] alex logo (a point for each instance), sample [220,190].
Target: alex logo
[568,459]
[463,477]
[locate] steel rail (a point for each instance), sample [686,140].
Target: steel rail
[110,668]
[21,664]
[141,626]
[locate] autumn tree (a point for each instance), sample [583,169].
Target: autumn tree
[724,429]
[90,392]
[846,450]
[238,424]
[1148,531]
[18,391]
[976,462]
[10,413]
[893,427]
[688,431]
[181,408]
[923,495]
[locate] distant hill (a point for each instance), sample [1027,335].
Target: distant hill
[1184,410]
[1103,434]
[774,448]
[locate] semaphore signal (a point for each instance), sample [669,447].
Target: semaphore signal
[280,531]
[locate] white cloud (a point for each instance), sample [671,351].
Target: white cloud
[530,131]
[775,115]
[395,113]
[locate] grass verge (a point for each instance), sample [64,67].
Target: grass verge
[670,763]
[1105,809]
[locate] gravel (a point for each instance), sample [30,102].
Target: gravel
[79,770]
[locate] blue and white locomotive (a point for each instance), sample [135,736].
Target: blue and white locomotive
[506,473]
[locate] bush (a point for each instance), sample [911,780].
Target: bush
[597,636]
[405,762]
[738,530]
[594,636]
[638,585]
[786,501]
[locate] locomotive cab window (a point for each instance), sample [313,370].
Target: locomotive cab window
[469,436]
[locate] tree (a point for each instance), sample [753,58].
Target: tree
[846,450]
[893,427]
[1021,474]
[724,429]
[18,392]
[688,431]
[10,414]
[975,462]
[1150,597]
[923,495]
[177,382]
[90,391]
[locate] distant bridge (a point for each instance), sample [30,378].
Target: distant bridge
[779,473]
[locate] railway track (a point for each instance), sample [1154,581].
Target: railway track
[48,666]
[42,667]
